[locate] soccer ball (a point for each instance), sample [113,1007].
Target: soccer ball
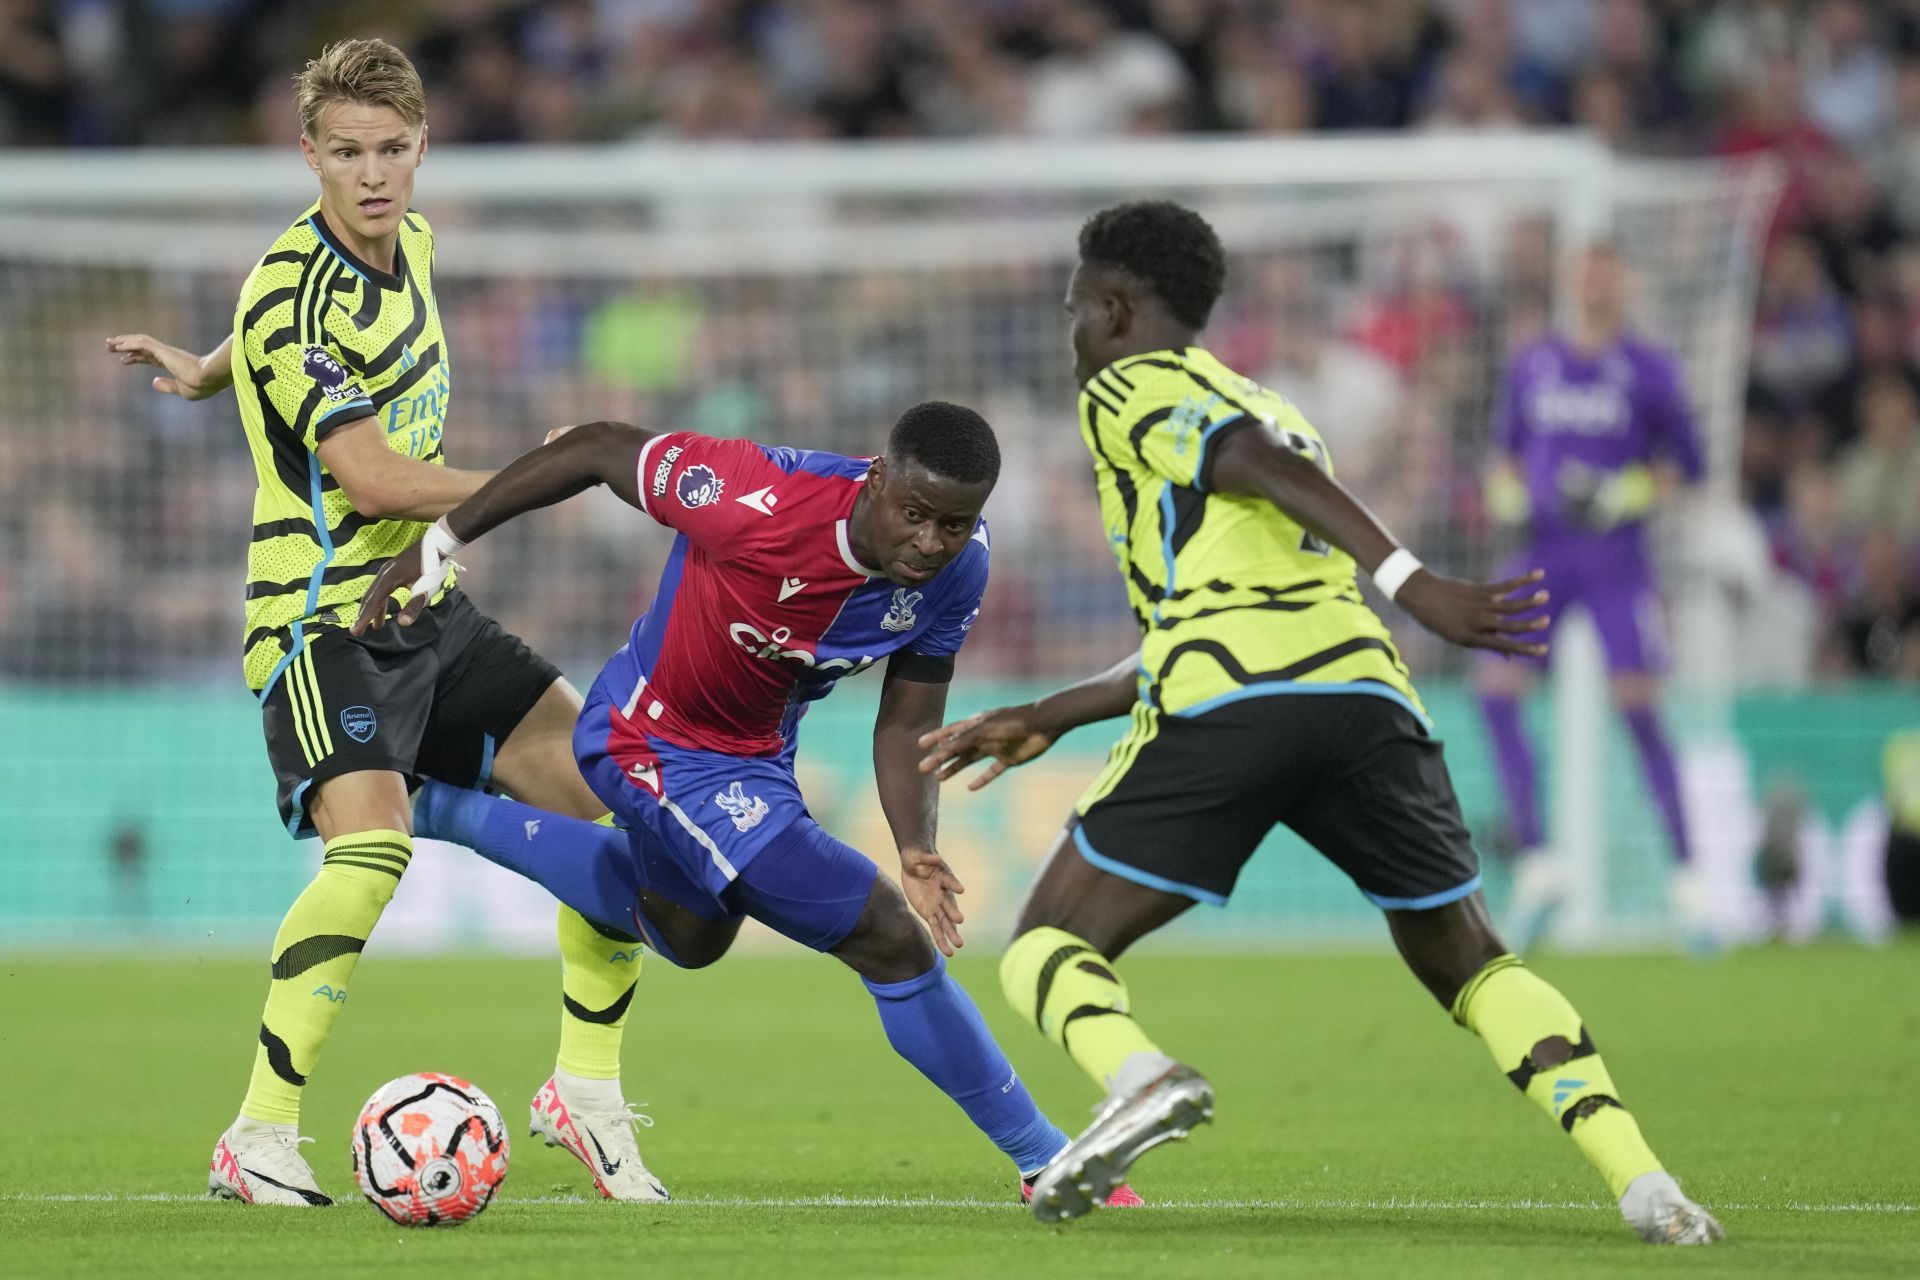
[429,1150]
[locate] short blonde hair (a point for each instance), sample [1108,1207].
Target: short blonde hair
[370,72]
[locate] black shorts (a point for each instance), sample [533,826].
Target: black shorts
[1185,800]
[429,701]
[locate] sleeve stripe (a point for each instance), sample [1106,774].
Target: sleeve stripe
[1210,441]
[268,301]
[299,300]
[640,472]
[1113,385]
[336,418]
[322,294]
[1101,400]
[1148,421]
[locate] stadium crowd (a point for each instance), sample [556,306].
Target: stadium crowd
[1831,459]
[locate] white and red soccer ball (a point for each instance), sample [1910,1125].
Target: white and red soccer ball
[429,1150]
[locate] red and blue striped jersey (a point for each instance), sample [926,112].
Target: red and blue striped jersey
[762,605]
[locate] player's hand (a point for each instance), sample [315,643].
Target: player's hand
[421,568]
[931,886]
[188,376]
[1010,735]
[1478,615]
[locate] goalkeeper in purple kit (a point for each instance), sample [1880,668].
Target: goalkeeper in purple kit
[1592,426]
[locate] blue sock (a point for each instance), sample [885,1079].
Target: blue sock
[586,865]
[933,1023]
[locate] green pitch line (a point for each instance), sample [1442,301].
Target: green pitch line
[1359,1132]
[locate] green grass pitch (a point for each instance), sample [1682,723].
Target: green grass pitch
[1359,1133]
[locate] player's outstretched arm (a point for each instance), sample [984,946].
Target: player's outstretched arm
[597,453]
[392,486]
[912,702]
[1014,735]
[188,376]
[1476,615]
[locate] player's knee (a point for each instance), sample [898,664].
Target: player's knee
[682,939]
[701,944]
[888,944]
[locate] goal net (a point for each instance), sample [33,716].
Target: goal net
[801,296]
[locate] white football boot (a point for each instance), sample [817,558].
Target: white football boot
[1152,1102]
[600,1134]
[261,1164]
[1656,1208]
[1539,888]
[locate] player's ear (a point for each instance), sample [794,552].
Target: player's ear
[311,152]
[877,476]
[1118,309]
[422,155]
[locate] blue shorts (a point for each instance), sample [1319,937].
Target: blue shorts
[723,836]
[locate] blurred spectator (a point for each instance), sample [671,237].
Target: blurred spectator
[1850,224]
[1765,114]
[1101,79]
[1810,538]
[1880,472]
[33,74]
[1899,158]
[1879,349]
[1802,338]
[1881,620]
[1386,341]
[1849,74]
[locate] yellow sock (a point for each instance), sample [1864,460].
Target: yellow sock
[598,972]
[1539,1041]
[1076,998]
[313,957]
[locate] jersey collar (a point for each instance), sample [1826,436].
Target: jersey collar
[366,271]
[840,530]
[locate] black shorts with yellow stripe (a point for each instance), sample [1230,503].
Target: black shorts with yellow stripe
[1186,799]
[432,700]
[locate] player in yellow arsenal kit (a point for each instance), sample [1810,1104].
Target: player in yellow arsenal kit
[344,383]
[1265,691]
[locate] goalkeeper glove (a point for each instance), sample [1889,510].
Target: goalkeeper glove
[1506,497]
[1604,500]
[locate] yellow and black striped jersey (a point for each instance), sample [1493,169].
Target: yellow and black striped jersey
[1234,597]
[322,339]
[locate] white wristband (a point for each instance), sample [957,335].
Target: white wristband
[1395,570]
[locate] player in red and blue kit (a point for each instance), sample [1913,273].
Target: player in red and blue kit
[790,570]
[1591,427]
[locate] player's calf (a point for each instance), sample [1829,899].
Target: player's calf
[888,944]
[1545,1049]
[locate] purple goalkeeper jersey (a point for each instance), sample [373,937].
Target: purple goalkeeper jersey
[1570,419]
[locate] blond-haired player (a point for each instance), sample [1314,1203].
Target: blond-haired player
[343,384]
